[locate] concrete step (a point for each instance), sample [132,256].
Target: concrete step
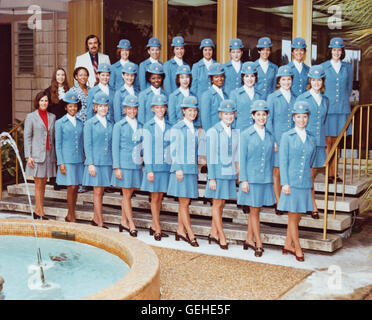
[201,227]
[198,208]
[358,185]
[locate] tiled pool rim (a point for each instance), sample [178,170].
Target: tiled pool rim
[142,282]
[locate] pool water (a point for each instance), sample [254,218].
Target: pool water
[73,269]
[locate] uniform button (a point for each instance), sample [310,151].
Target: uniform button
[336,100]
[261,170]
[302,163]
[289,126]
[300,177]
[304,150]
[336,78]
[302,157]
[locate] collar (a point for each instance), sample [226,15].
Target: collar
[153,60]
[178,61]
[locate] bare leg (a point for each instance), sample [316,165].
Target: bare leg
[97,203]
[126,209]
[156,200]
[185,216]
[293,221]
[217,209]
[329,142]
[313,175]
[255,221]
[289,239]
[39,195]
[276,184]
[250,236]
[71,202]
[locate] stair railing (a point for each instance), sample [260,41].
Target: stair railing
[14,131]
[360,110]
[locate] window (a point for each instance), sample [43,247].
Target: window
[25,49]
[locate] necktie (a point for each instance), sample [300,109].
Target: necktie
[95,67]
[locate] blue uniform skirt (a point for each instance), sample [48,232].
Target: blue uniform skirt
[334,124]
[320,156]
[259,195]
[74,175]
[130,178]
[187,188]
[160,183]
[102,178]
[299,201]
[226,189]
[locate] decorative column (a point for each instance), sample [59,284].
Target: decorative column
[302,24]
[85,17]
[160,26]
[227,21]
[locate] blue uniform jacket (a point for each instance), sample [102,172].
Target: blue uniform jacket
[222,153]
[209,104]
[170,71]
[280,117]
[98,142]
[126,146]
[338,87]
[243,107]
[256,157]
[69,141]
[296,159]
[200,79]
[119,97]
[300,80]
[266,82]
[143,84]
[233,79]
[91,94]
[174,108]
[184,148]
[145,112]
[116,77]
[156,147]
[318,115]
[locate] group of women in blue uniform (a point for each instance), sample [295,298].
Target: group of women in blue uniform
[265,126]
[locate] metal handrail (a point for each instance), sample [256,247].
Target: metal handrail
[334,153]
[14,131]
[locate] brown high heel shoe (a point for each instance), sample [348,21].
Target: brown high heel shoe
[194,242]
[224,246]
[286,251]
[246,245]
[157,235]
[211,238]
[301,259]
[258,252]
[36,216]
[178,236]
[93,223]
[133,232]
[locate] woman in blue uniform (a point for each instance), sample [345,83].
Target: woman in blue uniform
[171,66]
[266,70]
[103,71]
[70,152]
[98,154]
[183,81]
[280,119]
[129,73]
[233,68]
[183,180]
[155,76]
[338,87]
[153,49]
[222,162]
[200,69]
[116,78]
[299,68]
[318,106]
[297,153]
[157,160]
[127,163]
[245,96]
[212,97]
[255,173]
